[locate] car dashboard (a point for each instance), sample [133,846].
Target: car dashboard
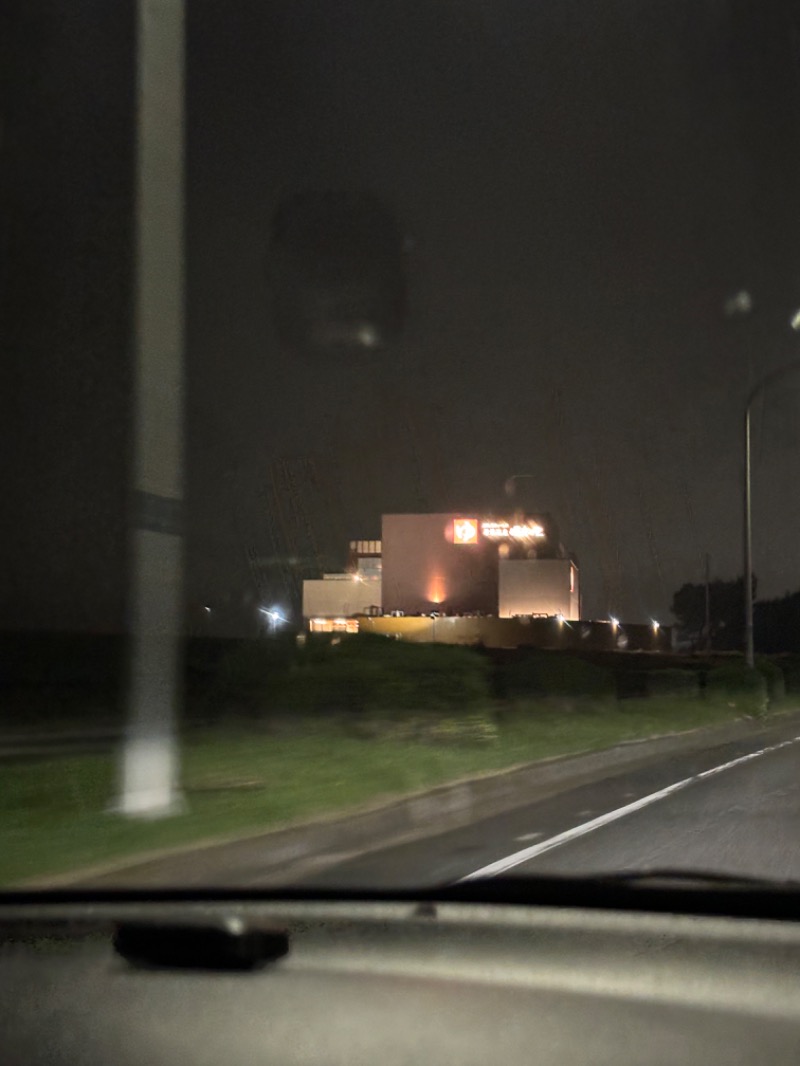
[399,983]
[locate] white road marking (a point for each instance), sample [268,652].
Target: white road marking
[529,836]
[518,857]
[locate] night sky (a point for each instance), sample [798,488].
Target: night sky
[583,186]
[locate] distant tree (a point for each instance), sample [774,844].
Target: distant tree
[726,610]
[777,624]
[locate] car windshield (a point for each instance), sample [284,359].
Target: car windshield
[400,441]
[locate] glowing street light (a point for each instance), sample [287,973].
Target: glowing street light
[274,616]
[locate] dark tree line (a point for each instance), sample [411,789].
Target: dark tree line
[726,614]
[776,622]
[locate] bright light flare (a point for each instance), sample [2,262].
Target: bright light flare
[274,615]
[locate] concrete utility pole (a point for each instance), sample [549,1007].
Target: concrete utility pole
[708,605]
[149,784]
[749,648]
[768,379]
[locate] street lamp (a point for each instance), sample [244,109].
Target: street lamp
[757,389]
[274,617]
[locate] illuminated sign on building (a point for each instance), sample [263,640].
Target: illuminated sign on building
[507,531]
[465,531]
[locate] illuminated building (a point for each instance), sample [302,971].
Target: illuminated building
[473,564]
[329,601]
[452,564]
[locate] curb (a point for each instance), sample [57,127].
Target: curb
[66,744]
[289,852]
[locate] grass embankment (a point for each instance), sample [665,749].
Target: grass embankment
[53,814]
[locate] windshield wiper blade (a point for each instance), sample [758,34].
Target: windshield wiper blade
[655,890]
[663,890]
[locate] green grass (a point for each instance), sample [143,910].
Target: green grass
[53,814]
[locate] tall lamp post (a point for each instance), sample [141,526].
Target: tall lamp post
[758,388]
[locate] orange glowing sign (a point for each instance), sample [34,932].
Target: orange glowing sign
[465,531]
[519,531]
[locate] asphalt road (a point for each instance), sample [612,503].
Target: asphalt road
[742,818]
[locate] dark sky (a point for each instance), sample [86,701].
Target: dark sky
[584,184]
